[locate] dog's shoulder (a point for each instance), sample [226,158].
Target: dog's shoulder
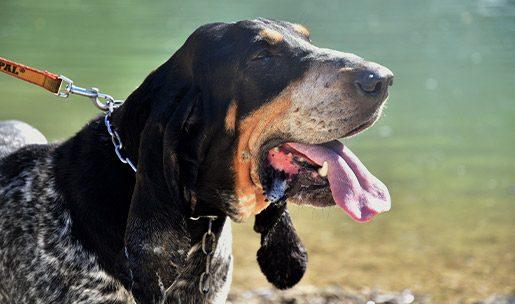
[22,147]
[22,161]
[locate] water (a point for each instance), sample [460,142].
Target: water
[445,146]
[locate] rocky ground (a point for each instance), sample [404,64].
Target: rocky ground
[337,295]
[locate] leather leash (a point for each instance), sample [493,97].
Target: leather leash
[46,80]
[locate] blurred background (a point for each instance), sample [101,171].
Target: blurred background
[445,146]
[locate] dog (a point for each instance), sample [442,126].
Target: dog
[243,118]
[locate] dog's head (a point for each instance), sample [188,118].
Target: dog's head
[247,115]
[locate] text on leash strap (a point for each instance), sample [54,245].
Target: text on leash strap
[44,79]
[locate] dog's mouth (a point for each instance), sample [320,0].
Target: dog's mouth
[323,175]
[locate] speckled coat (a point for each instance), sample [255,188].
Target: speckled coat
[40,260]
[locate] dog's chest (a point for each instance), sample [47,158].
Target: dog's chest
[40,261]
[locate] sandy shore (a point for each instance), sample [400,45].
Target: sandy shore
[337,295]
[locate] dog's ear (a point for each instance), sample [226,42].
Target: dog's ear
[168,84]
[282,256]
[156,235]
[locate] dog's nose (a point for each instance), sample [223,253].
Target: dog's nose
[374,79]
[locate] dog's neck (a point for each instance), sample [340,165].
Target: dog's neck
[97,190]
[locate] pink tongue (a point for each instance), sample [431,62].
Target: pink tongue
[354,188]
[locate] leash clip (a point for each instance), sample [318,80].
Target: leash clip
[105,103]
[102,101]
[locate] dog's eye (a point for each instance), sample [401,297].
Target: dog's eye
[263,55]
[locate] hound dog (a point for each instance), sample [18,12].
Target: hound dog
[242,118]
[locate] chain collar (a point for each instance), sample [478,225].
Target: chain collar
[208,246]
[115,138]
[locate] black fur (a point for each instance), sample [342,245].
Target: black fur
[282,256]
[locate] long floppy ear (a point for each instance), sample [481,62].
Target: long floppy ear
[282,256]
[156,235]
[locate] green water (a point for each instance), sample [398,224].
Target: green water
[445,146]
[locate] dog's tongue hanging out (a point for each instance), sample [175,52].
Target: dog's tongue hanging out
[353,187]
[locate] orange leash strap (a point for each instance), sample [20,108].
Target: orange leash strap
[52,82]
[44,79]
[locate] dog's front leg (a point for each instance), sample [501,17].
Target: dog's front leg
[154,260]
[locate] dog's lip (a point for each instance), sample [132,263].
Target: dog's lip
[360,128]
[372,118]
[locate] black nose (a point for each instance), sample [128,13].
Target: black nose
[374,79]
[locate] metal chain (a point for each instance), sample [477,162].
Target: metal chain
[116,140]
[208,248]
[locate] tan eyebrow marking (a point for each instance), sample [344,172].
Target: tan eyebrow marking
[230,118]
[301,29]
[271,36]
